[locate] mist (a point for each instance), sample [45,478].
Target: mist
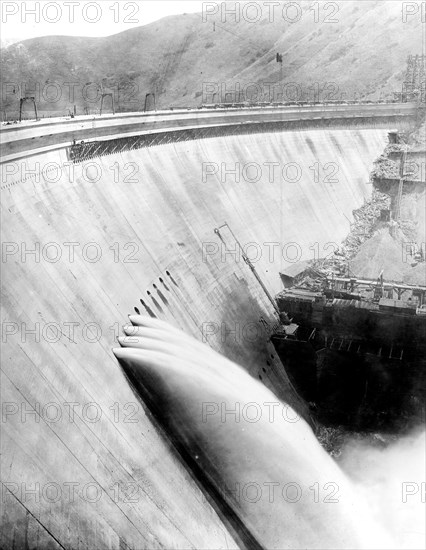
[391,480]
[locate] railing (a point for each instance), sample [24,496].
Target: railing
[247,105]
[35,138]
[10,116]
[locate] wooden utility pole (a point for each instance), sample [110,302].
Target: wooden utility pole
[21,103]
[105,94]
[280,61]
[147,104]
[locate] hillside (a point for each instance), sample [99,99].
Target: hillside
[362,53]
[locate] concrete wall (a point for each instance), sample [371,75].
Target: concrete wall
[44,135]
[149,213]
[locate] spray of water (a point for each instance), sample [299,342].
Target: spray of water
[262,460]
[391,480]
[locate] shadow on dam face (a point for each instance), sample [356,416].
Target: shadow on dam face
[83,245]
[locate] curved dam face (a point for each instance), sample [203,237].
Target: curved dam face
[84,464]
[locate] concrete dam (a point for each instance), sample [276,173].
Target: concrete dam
[153,230]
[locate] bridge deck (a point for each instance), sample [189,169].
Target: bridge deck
[42,136]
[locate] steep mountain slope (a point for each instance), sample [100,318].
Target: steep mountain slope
[347,49]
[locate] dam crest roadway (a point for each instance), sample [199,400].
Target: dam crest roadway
[45,135]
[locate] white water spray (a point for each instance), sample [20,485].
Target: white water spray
[262,459]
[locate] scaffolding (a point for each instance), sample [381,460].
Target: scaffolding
[413,87]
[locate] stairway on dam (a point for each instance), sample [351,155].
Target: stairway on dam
[140,226]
